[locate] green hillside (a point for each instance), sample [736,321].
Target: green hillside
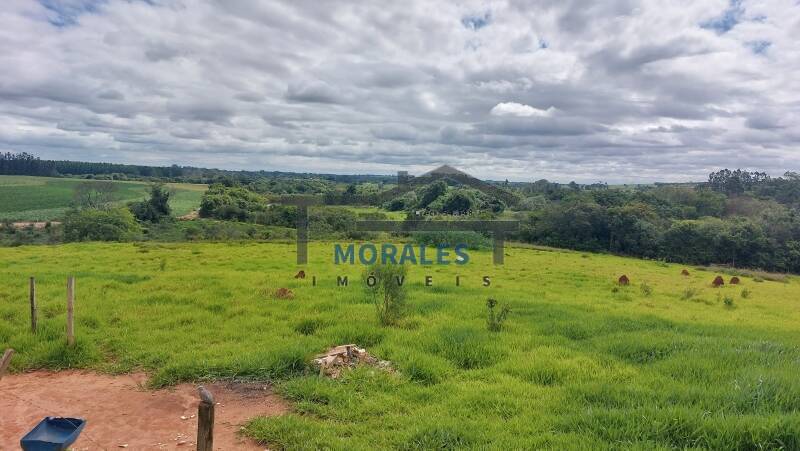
[26,198]
[666,363]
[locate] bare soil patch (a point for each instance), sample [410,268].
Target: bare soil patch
[121,413]
[191,216]
[38,225]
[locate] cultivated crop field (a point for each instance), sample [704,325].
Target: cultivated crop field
[667,362]
[26,198]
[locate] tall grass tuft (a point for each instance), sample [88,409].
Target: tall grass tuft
[495,320]
[385,287]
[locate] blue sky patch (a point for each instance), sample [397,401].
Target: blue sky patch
[66,12]
[758,47]
[475,23]
[729,18]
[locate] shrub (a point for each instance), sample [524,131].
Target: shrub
[156,207]
[688,293]
[223,202]
[384,285]
[646,289]
[745,293]
[494,321]
[728,302]
[457,202]
[90,224]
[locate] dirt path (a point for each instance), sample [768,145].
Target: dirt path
[119,411]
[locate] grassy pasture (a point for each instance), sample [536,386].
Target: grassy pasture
[365,210]
[580,364]
[26,198]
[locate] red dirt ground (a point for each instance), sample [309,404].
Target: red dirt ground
[120,411]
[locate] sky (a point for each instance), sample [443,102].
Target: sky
[615,91]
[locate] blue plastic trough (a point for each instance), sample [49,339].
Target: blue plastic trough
[53,434]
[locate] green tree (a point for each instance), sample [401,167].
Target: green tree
[92,224]
[432,192]
[457,202]
[633,229]
[156,207]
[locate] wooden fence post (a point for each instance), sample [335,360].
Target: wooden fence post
[205,420]
[6,360]
[33,304]
[71,310]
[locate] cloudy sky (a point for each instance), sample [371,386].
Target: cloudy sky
[613,90]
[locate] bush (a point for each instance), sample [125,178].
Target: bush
[745,293]
[156,207]
[728,302]
[384,285]
[116,224]
[457,202]
[223,202]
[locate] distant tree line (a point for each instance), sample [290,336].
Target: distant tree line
[26,164]
[738,218]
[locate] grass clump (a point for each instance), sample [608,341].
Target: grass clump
[465,347]
[309,326]
[439,437]
[728,301]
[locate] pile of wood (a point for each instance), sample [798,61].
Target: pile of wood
[718,282]
[623,280]
[340,358]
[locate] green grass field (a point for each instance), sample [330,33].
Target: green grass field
[364,210]
[27,198]
[580,363]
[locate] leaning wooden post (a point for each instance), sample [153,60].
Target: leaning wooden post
[71,310]
[5,361]
[33,304]
[205,421]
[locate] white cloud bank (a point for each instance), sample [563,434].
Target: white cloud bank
[616,91]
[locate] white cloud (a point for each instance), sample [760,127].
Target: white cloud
[618,91]
[520,110]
